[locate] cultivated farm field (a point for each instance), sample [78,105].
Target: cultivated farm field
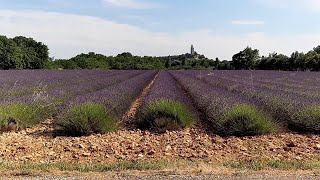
[107,115]
[229,103]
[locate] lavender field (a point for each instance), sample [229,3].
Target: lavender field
[236,103]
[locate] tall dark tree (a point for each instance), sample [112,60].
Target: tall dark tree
[317,49]
[169,62]
[184,60]
[216,63]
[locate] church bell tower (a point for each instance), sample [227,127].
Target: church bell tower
[192,50]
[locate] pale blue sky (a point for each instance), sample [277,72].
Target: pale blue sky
[161,27]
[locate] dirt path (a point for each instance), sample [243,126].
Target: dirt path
[134,108]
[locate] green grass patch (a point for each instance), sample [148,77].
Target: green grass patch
[17,116]
[307,120]
[31,168]
[246,120]
[85,119]
[196,166]
[164,114]
[274,165]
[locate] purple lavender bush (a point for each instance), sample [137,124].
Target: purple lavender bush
[166,107]
[165,115]
[42,94]
[85,119]
[223,108]
[281,94]
[306,120]
[17,116]
[116,99]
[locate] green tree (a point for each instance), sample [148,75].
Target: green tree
[298,61]
[125,54]
[312,59]
[245,59]
[274,61]
[35,54]
[10,54]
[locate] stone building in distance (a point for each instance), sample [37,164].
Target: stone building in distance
[193,53]
[192,50]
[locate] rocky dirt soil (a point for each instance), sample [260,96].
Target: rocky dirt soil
[39,146]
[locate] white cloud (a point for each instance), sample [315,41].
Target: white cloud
[60,2]
[313,5]
[131,4]
[141,19]
[68,35]
[247,22]
[135,17]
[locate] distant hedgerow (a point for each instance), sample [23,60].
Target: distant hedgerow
[85,119]
[16,116]
[306,120]
[164,114]
[246,120]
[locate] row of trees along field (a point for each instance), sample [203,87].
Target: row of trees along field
[128,61]
[26,53]
[99,61]
[249,59]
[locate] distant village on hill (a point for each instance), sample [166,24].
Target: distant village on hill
[185,59]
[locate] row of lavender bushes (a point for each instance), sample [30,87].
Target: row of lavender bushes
[167,107]
[226,112]
[291,98]
[101,111]
[235,105]
[239,103]
[30,109]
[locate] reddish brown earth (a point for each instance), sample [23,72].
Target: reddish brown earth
[38,146]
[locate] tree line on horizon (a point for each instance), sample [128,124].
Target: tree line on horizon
[26,53]
[298,61]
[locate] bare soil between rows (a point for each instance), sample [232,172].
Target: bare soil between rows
[132,113]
